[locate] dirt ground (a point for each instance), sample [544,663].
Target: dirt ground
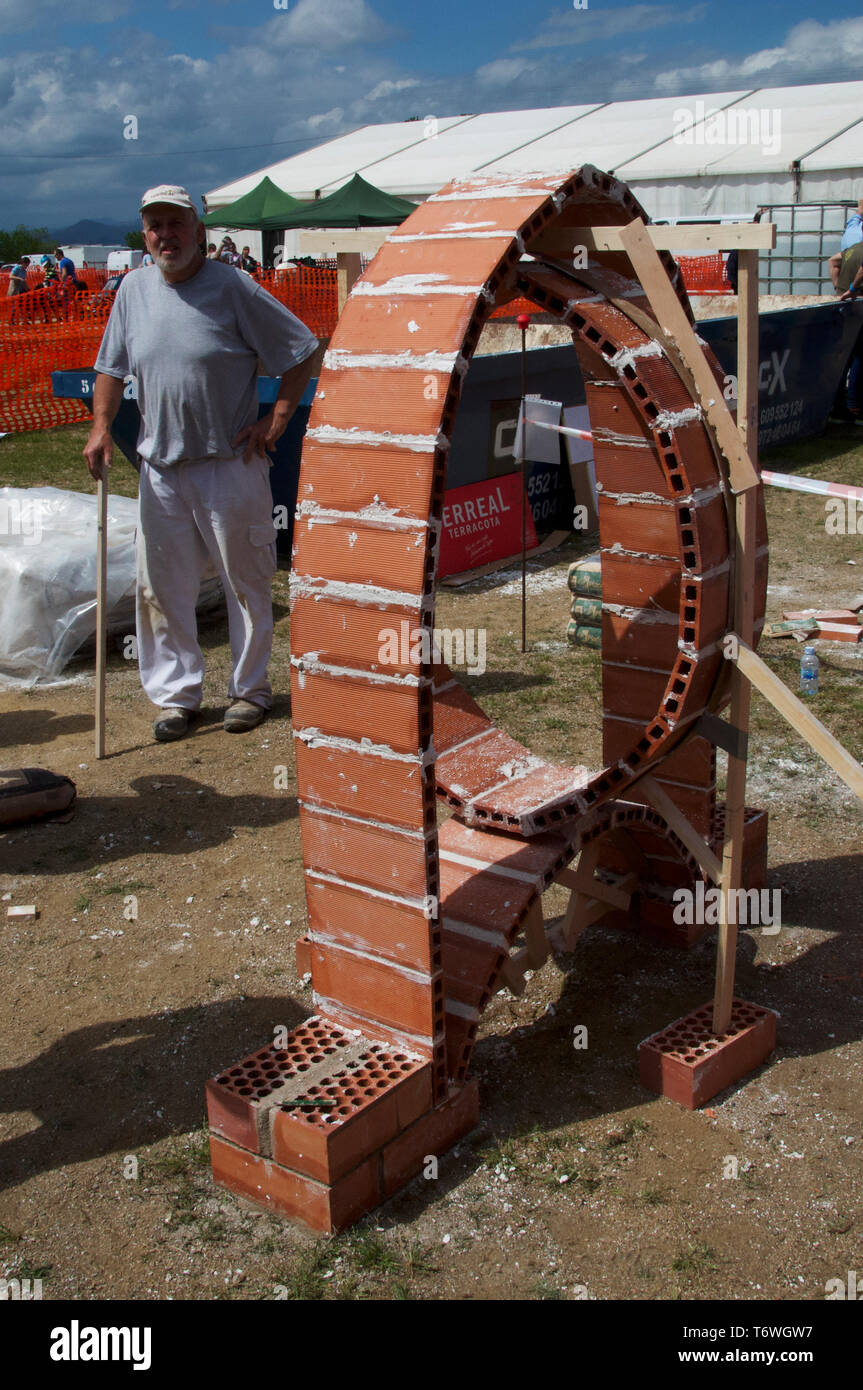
[578,1182]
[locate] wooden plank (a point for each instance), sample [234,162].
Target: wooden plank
[744,541]
[616,895]
[101,613]
[673,321]
[694,236]
[820,740]
[350,268]
[536,941]
[683,828]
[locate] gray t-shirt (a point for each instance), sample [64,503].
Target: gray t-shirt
[194,349]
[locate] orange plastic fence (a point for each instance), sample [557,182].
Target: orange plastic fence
[47,330]
[704,274]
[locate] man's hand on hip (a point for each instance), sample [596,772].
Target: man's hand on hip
[264,434]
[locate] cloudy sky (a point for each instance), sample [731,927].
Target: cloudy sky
[223,87]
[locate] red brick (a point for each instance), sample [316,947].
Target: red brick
[398,933]
[363,783]
[276,1188]
[375,989]
[688,1064]
[392,715]
[434,1133]
[354,552]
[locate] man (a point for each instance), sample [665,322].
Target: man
[192,333]
[18,277]
[849,283]
[247,261]
[68,274]
[852,234]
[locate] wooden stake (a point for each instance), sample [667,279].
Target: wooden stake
[101,615]
[683,828]
[671,317]
[349,269]
[744,620]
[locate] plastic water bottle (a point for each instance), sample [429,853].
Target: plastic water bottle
[808,672]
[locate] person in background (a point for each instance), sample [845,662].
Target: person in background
[49,271]
[247,261]
[212,253]
[18,277]
[849,284]
[852,234]
[66,267]
[147,259]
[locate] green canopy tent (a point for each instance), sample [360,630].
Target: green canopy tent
[356,204]
[265,206]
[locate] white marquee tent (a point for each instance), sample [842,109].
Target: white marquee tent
[696,156]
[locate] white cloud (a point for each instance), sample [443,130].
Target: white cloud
[327,120]
[592,26]
[810,52]
[386,88]
[21,16]
[504,70]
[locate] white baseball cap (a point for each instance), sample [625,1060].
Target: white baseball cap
[167,193]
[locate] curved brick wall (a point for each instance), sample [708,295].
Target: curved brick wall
[370,496]
[410,926]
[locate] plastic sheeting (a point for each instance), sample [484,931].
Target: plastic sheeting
[48,578]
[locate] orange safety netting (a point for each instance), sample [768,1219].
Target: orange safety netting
[47,330]
[704,274]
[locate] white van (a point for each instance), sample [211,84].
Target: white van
[124,260]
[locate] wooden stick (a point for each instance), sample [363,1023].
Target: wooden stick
[673,321]
[744,617]
[349,269]
[801,718]
[683,828]
[101,615]
[695,237]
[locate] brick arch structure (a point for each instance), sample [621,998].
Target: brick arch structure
[410,927]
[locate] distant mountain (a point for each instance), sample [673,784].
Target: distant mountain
[86,233]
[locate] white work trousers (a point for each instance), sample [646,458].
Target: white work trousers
[218,510]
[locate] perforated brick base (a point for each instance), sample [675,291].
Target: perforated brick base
[327,1127]
[687,1063]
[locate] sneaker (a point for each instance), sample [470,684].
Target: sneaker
[172,724]
[242,715]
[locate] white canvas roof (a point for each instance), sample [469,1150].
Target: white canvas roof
[772,136]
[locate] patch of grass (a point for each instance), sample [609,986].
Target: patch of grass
[305,1281]
[82,902]
[213,1228]
[27,1270]
[502,1153]
[369,1251]
[696,1259]
[653,1196]
[546,1292]
[110,888]
[8,1237]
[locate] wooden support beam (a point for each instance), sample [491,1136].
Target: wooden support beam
[350,268]
[512,973]
[672,319]
[561,240]
[743,571]
[683,828]
[536,941]
[616,895]
[695,236]
[801,718]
